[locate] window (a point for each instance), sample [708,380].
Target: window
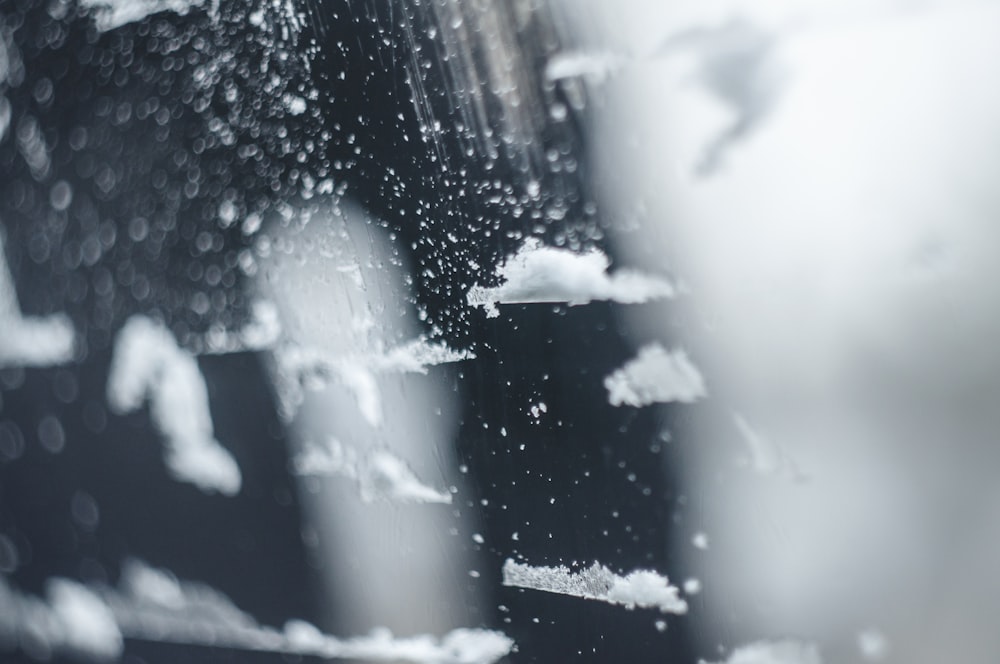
[530,331]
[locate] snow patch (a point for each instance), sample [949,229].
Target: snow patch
[641,588]
[380,474]
[537,273]
[153,605]
[656,375]
[299,367]
[873,644]
[87,623]
[71,620]
[111,14]
[28,341]
[148,364]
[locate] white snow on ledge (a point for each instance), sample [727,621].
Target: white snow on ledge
[30,341]
[153,605]
[300,367]
[537,273]
[774,652]
[656,375]
[148,364]
[111,14]
[71,620]
[380,475]
[641,588]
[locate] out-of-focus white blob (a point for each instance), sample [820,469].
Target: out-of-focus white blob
[88,626]
[380,474]
[296,105]
[574,64]
[27,341]
[11,74]
[111,14]
[537,273]
[656,375]
[152,605]
[5,115]
[352,332]
[766,457]
[148,364]
[312,368]
[733,62]
[775,652]
[641,588]
[5,55]
[261,332]
[33,147]
[36,342]
[873,644]
[151,600]
[844,294]
[150,584]
[71,620]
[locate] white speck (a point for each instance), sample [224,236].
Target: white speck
[51,434]
[227,213]
[537,409]
[700,541]
[656,375]
[478,539]
[537,273]
[61,195]
[661,625]
[251,224]
[295,105]
[692,586]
